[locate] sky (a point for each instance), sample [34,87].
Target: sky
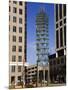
[32,10]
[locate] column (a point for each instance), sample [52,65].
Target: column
[44,74]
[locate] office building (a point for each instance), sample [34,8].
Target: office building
[60,27]
[17,40]
[42,41]
[57,62]
[60,21]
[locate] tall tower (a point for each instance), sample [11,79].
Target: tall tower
[42,43]
[42,36]
[17,40]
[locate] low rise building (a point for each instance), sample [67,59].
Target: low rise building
[31,74]
[57,67]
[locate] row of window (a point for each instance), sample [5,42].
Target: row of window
[14,29]
[15,10]
[13,68]
[15,2]
[61,37]
[32,68]
[14,39]
[60,23]
[13,78]
[14,58]
[32,71]
[58,61]
[14,49]
[60,7]
[15,19]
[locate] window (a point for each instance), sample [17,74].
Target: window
[61,37]
[20,48]
[50,62]
[20,2]
[9,28]
[14,28]
[14,38]
[61,53]
[60,11]
[32,71]
[64,9]
[13,68]
[13,79]
[9,1]
[14,19]
[13,58]
[56,12]
[62,60]
[20,58]
[19,78]
[58,61]
[20,29]
[65,35]
[19,68]
[54,62]
[60,23]
[57,39]
[64,20]
[14,48]
[15,2]
[9,9]
[57,25]
[20,20]
[9,17]
[20,11]
[20,39]
[14,10]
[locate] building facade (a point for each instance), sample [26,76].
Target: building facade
[60,21]
[57,69]
[17,40]
[42,36]
[31,75]
[42,42]
[57,62]
[60,27]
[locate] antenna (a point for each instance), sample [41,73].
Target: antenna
[42,9]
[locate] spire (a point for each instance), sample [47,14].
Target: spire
[42,9]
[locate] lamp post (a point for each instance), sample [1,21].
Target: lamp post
[43,79]
[23,74]
[48,74]
[37,74]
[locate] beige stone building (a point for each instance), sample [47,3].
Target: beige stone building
[17,40]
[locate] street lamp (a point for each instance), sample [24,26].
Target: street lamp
[23,73]
[37,74]
[48,74]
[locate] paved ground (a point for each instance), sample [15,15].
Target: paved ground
[50,85]
[56,85]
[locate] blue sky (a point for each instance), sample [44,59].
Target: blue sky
[32,10]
